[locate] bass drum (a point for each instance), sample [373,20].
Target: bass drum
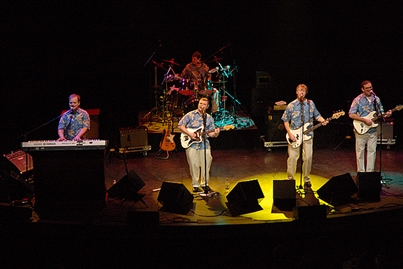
[191,104]
[175,103]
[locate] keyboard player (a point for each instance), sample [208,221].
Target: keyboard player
[74,123]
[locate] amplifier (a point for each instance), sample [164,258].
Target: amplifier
[133,137]
[21,161]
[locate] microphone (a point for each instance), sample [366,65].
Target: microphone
[372,92]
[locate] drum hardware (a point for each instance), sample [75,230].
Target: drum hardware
[160,65]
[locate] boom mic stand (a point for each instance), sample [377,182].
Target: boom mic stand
[31,131]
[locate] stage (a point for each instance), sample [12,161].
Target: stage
[135,231]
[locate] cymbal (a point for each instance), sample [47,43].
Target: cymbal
[212,70]
[216,59]
[171,62]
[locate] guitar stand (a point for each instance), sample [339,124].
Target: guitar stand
[166,157]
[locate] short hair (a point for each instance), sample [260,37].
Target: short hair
[365,82]
[204,99]
[197,54]
[302,86]
[75,95]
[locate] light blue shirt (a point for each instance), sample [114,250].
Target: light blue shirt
[295,109]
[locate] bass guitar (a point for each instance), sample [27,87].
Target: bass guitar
[167,143]
[360,126]
[187,141]
[304,137]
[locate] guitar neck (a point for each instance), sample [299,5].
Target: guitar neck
[316,126]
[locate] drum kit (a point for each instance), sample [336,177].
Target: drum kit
[181,95]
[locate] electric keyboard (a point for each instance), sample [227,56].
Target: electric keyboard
[54,145]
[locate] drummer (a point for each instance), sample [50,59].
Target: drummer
[196,72]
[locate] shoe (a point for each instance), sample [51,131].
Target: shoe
[196,189]
[307,184]
[207,188]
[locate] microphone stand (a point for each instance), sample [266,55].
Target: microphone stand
[31,131]
[205,153]
[381,138]
[302,144]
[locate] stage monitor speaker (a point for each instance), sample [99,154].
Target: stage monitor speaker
[338,190]
[284,194]
[128,185]
[175,198]
[313,212]
[369,186]
[245,197]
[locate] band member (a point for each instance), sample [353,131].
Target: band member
[296,115]
[362,106]
[198,154]
[196,71]
[74,123]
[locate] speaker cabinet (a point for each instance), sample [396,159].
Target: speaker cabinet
[284,194]
[245,197]
[175,198]
[133,137]
[339,190]
[127,186]
[369,186]
[275,130]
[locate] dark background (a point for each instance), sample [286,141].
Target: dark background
[100,50]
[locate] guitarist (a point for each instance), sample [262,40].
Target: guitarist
[362,106]
[296,115]
[199,154]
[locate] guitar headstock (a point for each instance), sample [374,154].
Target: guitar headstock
[398,108]
[337,115]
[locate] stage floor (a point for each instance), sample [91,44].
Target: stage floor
[132,233]
[237,166]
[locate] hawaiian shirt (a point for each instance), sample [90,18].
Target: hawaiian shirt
[362,106]
[72,122]
[194,120]
[296,109]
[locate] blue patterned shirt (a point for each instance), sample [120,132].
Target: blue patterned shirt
[72,122]
[194,120]
[293,114]
[362,107]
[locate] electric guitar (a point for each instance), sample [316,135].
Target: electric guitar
[167,143]
[360,126]
[187,141]
[304,137]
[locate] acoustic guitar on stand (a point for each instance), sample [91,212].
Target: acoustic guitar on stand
[167,143]
[360,126]
[304,137]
